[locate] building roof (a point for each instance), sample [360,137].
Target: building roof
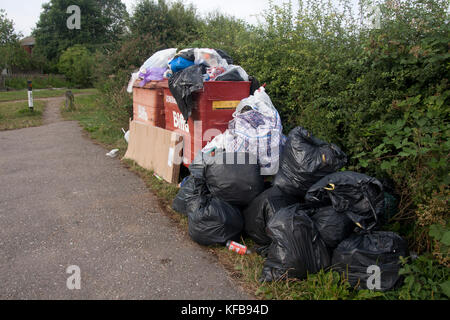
[28,41]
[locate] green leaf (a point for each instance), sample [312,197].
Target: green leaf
[363,163]
[436,231]
[446,238]
[446,288]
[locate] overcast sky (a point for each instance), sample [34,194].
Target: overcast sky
[25,13]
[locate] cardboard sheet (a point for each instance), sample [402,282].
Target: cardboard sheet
[155,149]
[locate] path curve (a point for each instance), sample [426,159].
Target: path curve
[64,203]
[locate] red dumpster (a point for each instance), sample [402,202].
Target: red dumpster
[148,105]
[214,107]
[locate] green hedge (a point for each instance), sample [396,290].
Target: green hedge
[39,82]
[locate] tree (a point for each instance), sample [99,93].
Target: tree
[7,33]
[12,54]
[76,63]
[172,24]
[102,22]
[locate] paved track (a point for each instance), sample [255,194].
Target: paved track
[63,202]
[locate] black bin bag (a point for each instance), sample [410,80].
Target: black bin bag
[356,254]
[305,160]
[359,196]
[261,210]
[185,193]
[234,177]
[183,84]
[296,248]
[211,220]
[333,226]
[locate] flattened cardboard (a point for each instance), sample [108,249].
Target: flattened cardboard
[155,149]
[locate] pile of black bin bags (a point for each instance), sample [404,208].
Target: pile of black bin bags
[312,217]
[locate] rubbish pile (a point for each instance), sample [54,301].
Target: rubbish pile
[333,224]
[287,194]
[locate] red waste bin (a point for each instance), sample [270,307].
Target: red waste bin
[214,107]
[148,104]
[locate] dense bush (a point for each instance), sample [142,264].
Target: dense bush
[77,65]
[39,81]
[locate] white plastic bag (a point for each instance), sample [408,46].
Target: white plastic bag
[240,70]
[126,135]
[260,102]
[159,60]
[210,57]
[134,77]
[219,142]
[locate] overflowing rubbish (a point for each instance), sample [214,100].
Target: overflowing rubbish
[113,153]
[154,67]
[152,74]
[305,160]
[255,128]
[284,193]
[260,211]
[179,64]
[333,226]
[234,73]
[237,247]
[186,192]
[160,59]
[182,84]
[224,55]
[296,249]
[233,177]
[371,260]
[357,195]
[211,220]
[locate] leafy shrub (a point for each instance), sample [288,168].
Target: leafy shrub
[77,65]
[424,279]
[39,82]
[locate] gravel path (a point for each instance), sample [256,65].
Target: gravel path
[63,203]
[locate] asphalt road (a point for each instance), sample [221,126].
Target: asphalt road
[64,203]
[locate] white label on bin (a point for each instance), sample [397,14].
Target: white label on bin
[171,99]
[170,158]
[178,122]
[142,113]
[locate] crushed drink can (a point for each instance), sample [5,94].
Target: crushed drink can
[237,247]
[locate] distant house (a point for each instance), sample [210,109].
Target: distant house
[28,44]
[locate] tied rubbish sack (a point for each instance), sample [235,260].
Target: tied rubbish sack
[359,196]
[211,220]
[333,226]
[305,160]
[233,177]
[260,211]
[182,84]
[357,253]
[296,249]
[256,129]
[186,192]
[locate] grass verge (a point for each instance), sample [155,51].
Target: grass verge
[16,115]
[104,126]
[45,93]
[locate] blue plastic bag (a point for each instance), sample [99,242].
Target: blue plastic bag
[179,63]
